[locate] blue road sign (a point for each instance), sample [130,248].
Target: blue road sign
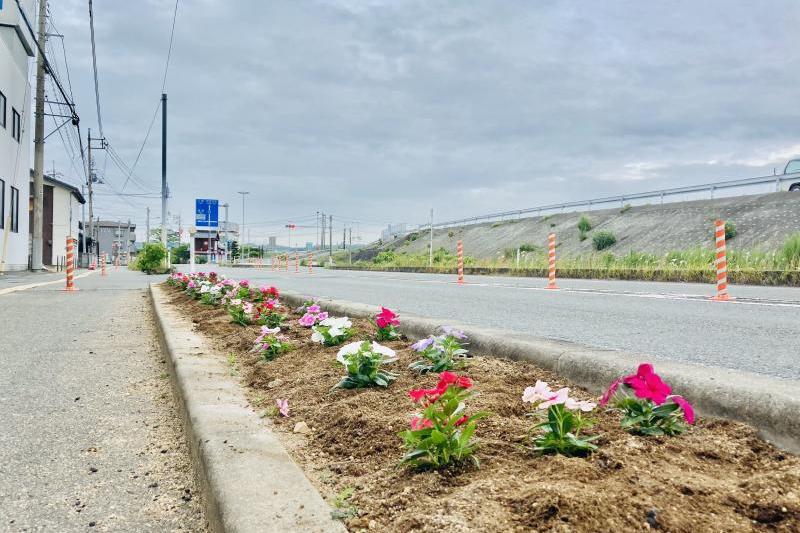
[206,213]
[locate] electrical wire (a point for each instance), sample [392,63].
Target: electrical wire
[94,68]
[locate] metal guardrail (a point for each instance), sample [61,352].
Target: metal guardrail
[661,194]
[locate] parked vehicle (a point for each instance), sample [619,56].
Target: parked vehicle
[792,167]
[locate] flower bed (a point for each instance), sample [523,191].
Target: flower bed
[711,476]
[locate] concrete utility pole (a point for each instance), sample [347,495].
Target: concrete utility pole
[91,196]
[164,169]
[241,230]
[351,246]
[322,233]
[83,224]
[430,252]
[316,235]
[128,242]
[344,238]
[225,205]
[330,239]
[147,235]
[38,157]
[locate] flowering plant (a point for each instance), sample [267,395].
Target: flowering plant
[243,290]
[265,293]
[267,314]
[442,433]
[210,294]
[440,352]
[241,312]
[193,288]
[363,361]
[282,406]
[386,320]
[269,344]
[313,315]
[332,331]
[562,430]
[648,405]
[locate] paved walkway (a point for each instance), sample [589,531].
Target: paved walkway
[89,439]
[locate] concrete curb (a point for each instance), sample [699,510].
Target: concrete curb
[249,482]
[771,405]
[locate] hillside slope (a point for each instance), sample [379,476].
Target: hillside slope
[763,222]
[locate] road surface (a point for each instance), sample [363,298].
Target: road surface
[759,332]
[90,440]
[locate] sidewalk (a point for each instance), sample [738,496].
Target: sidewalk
[24,277]
[90,438]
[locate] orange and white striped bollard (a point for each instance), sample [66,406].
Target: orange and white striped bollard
[70,265]
[310,261]
[551,251]
[296,262]
[721,263]
[103,264]
[460,256]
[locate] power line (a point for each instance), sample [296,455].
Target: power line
[169,51]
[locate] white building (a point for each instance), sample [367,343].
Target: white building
[61,216]
[16,49]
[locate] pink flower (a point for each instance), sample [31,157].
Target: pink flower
[244,283]
[647,385]
[417,422]
[283,406]
[686,407]
[559,397]
[322,316]
[313,309]
[308,320]
[610,392]
[386,318]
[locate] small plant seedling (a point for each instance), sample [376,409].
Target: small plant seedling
[344,509]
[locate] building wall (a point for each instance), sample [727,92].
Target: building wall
[108,239]
[66,215]
[15,156]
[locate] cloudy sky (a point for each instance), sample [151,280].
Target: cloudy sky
[376,111]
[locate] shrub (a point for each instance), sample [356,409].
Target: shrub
[413,236]
[180,254]
[584,225]
[151,258]
[384,257]
[527,247]
[790,252]
[450,234]
[582,236]
[730,231]
[625,209]
[603,239]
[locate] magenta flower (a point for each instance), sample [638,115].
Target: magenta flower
[314,309]
[686,407]
[610,392]
[322,316]
[646,384]
[386,318]
[308,320]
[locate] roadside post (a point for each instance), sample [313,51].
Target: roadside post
[721,263]
[460,254]
[310,261]
[551,275]
[70,265]
[296,263]
[103,264]
[191,250]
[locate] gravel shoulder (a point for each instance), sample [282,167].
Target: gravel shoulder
[91,439]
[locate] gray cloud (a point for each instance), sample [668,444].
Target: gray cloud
[376,111]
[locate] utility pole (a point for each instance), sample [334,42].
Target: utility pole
[38,157]
[241,230]
[430,252]
[351,246]
[83,233]
[322,233]
[147,235]
[344,238]
[119,241]
[164,169]
[91,196]
[225,205]
[316,235]
[330,239]
[128,242]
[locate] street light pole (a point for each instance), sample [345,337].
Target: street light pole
[164,170]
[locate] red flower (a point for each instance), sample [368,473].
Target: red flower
[272,291]
[461,420]
[610,392]
[386,318]
[646,384]
[447,378]
[417,422]
[686,407]
[464,382]
[417,394]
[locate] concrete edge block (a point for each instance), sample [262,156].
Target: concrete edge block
[249,482]
[771,405]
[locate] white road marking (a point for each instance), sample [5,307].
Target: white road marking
[43,283]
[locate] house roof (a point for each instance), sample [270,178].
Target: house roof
[58,183]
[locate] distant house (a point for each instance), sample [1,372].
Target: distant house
[116,239]
[61,214]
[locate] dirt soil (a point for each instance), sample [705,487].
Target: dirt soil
[719,476]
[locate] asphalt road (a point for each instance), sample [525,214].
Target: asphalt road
[90,439]
[758,332]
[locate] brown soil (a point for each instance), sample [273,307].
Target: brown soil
[719,476]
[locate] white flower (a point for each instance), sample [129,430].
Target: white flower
[236,302]
[560,396]
[316,336]
[388,354]
[337,322]
[574,404]
[538,393]
[266,330]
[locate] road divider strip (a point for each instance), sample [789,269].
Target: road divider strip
[768,404]
[9,290]
[250,483]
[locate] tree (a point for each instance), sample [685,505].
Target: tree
[180,254]
[173,238]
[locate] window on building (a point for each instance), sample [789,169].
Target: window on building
[2,109]
[2,204]
[16,124]
[14,209]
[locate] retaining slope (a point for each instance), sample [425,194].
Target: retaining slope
[249,482]
[771,405]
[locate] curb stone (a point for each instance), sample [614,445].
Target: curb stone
[249,481]
[771,405]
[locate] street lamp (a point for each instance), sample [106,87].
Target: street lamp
[242,233]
